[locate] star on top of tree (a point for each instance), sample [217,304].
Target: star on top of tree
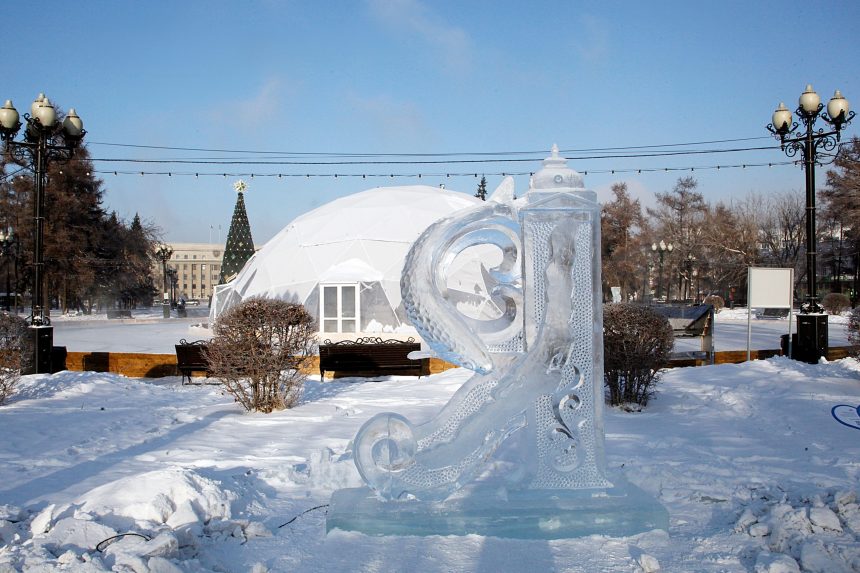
[240,186]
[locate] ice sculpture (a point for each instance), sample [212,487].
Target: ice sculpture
[525,431]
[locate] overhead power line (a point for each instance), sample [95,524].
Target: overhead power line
[446,154]
[423,162]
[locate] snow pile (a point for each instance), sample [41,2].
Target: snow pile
[175,497]
[757,476]
[819,535]
[156,521]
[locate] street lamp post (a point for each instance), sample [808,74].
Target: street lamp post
[689,260]
[164,252]
[172,280]
[661,248]
[646,291]
[698,286]
[811,322]
[45,139]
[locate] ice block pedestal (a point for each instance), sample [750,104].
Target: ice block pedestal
[524,514]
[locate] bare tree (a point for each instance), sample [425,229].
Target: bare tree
[679,219]
[783,233]
[841,204]
[730,243]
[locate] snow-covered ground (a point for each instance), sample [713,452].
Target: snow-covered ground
[756,473]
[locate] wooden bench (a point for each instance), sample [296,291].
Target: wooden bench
[772,313]
[691,322]
[371,356]
[118,313]
[190,358]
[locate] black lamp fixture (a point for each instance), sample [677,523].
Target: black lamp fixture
[45,139]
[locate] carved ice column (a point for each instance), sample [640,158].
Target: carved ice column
[563,325]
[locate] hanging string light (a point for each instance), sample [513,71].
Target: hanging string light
[447,175]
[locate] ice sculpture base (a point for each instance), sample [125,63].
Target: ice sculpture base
[532,514]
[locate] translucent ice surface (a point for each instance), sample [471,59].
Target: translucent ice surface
[536,396]
[618,511]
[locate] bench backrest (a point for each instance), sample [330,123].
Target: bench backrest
[371,355]
[191,354]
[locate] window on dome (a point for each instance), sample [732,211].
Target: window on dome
[339,308]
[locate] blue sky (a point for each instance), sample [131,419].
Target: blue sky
[413,76]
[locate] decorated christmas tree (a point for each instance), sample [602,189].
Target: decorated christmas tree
[240,245]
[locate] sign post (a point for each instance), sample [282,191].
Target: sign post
[769,288]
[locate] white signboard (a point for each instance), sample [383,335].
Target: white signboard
[770,288]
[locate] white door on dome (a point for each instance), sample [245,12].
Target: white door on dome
[339,308]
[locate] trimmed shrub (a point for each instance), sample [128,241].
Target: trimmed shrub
[258,352]
[716,301]
[854,331]
[835,303]
[637,342]
[13,346]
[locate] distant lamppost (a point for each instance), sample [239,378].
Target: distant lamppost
[646,291]
[45,139]
[173,278]
[7,240]
[661,248]
[689,260]
[811,323]
[164,252]
[698,286]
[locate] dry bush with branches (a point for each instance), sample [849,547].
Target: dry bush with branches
[258,352]
[854,331]
[13,346]
[637,342]
[836,303]
[716,301]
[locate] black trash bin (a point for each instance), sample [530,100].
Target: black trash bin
[783,344]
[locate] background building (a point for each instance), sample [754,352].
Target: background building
[197,266]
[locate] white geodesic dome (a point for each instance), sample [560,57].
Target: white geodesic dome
[360,240]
